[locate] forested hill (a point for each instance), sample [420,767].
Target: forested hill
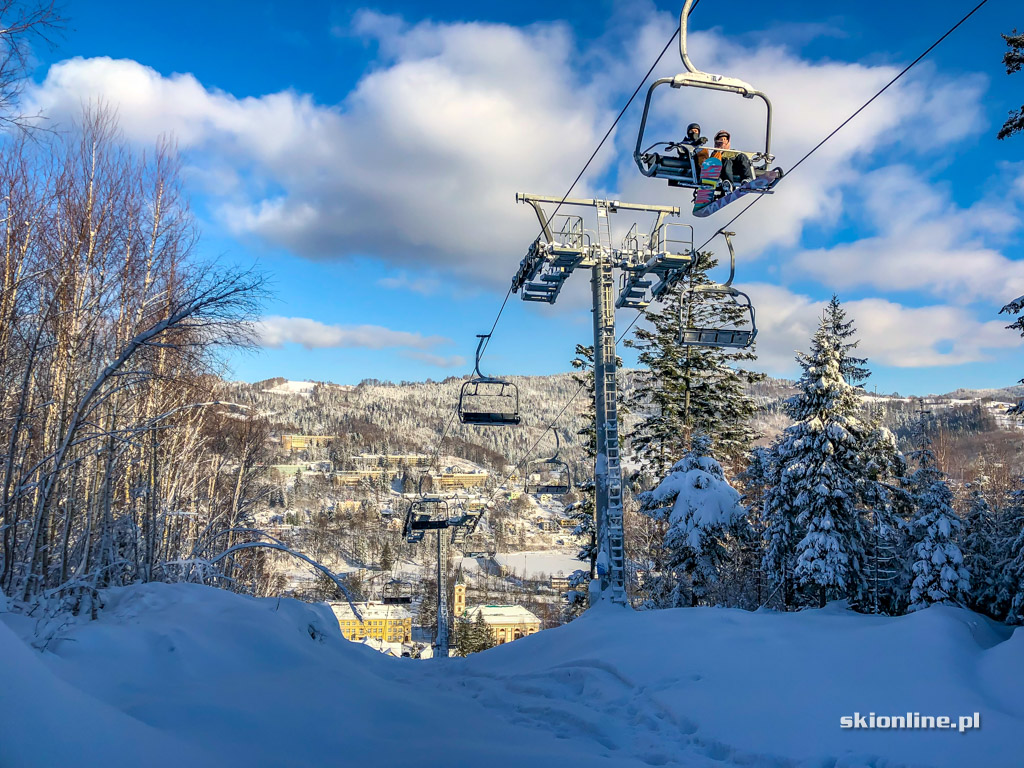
[410,417]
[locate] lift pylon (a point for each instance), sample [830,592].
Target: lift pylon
[649,262]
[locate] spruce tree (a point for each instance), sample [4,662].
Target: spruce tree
[1010,558]
[688,389]
[814,530]
[701,510]
[756,479]
[979,545]
[886,503]
[936,564]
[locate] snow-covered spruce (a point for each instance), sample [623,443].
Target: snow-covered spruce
[937,564]
[814,525]
[701,510]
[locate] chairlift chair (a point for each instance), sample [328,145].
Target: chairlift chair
[427,513]
[680,170]
[396,592]
[735,337]
[487,401]
[552,474]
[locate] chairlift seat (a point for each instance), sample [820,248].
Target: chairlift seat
[717,337]
[491,419]
[553,490]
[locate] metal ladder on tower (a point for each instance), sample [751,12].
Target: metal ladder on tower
[613,521]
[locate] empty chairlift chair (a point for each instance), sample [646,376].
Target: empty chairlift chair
[676,162]
[427,513]
[549,475]
[742,328]
[487,401]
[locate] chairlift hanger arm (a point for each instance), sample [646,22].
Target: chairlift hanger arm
[613,205]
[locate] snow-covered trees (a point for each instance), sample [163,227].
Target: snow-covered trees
[937,570]
[814,526]
[980,546]
[701,511]
[1014,61]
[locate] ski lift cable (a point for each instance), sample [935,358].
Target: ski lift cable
[643,312]
[834,131]
[675,34]
[508,293]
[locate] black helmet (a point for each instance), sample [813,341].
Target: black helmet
[691,126]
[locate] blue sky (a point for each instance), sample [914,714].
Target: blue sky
[367,158]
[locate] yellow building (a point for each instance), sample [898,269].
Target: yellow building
[387,623]
[356,477]
[448,480]
[393,460]
[301,442]
[506,622]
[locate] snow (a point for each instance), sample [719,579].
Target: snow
[293,388]
[186,674]
[530,565]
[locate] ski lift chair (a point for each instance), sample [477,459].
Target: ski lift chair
[486,401]
[681,170]
[427,513]
[735,337]
[396,592]
[552,474]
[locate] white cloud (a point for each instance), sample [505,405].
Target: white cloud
[419,164]
[891,334]
[452,361]
[923,242]
[403,281]
[276,331]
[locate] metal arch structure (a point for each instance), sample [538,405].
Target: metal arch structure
[488,401]
[553,475]
[682,170]
[649,263]
[737,337]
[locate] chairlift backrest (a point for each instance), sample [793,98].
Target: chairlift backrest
[487,401]
[552,474]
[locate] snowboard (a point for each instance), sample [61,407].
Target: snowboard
[760,184]
[710,173]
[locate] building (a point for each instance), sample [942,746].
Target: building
[392,460]
[560,583]
[387,623]
[302,442]
[506,622]
[356,477]
[445,481]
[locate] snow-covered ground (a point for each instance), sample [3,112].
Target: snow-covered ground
[530,565]
[174,675]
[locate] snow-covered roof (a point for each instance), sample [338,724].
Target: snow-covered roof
[370,611]
[502,614]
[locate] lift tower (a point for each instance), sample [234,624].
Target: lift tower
[650,263]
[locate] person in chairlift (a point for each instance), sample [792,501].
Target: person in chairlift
[735,165]
[695,140]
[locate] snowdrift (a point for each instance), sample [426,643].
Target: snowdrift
[191,675]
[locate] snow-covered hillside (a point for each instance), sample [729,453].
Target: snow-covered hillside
[189,675]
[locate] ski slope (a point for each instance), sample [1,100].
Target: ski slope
[173,675]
